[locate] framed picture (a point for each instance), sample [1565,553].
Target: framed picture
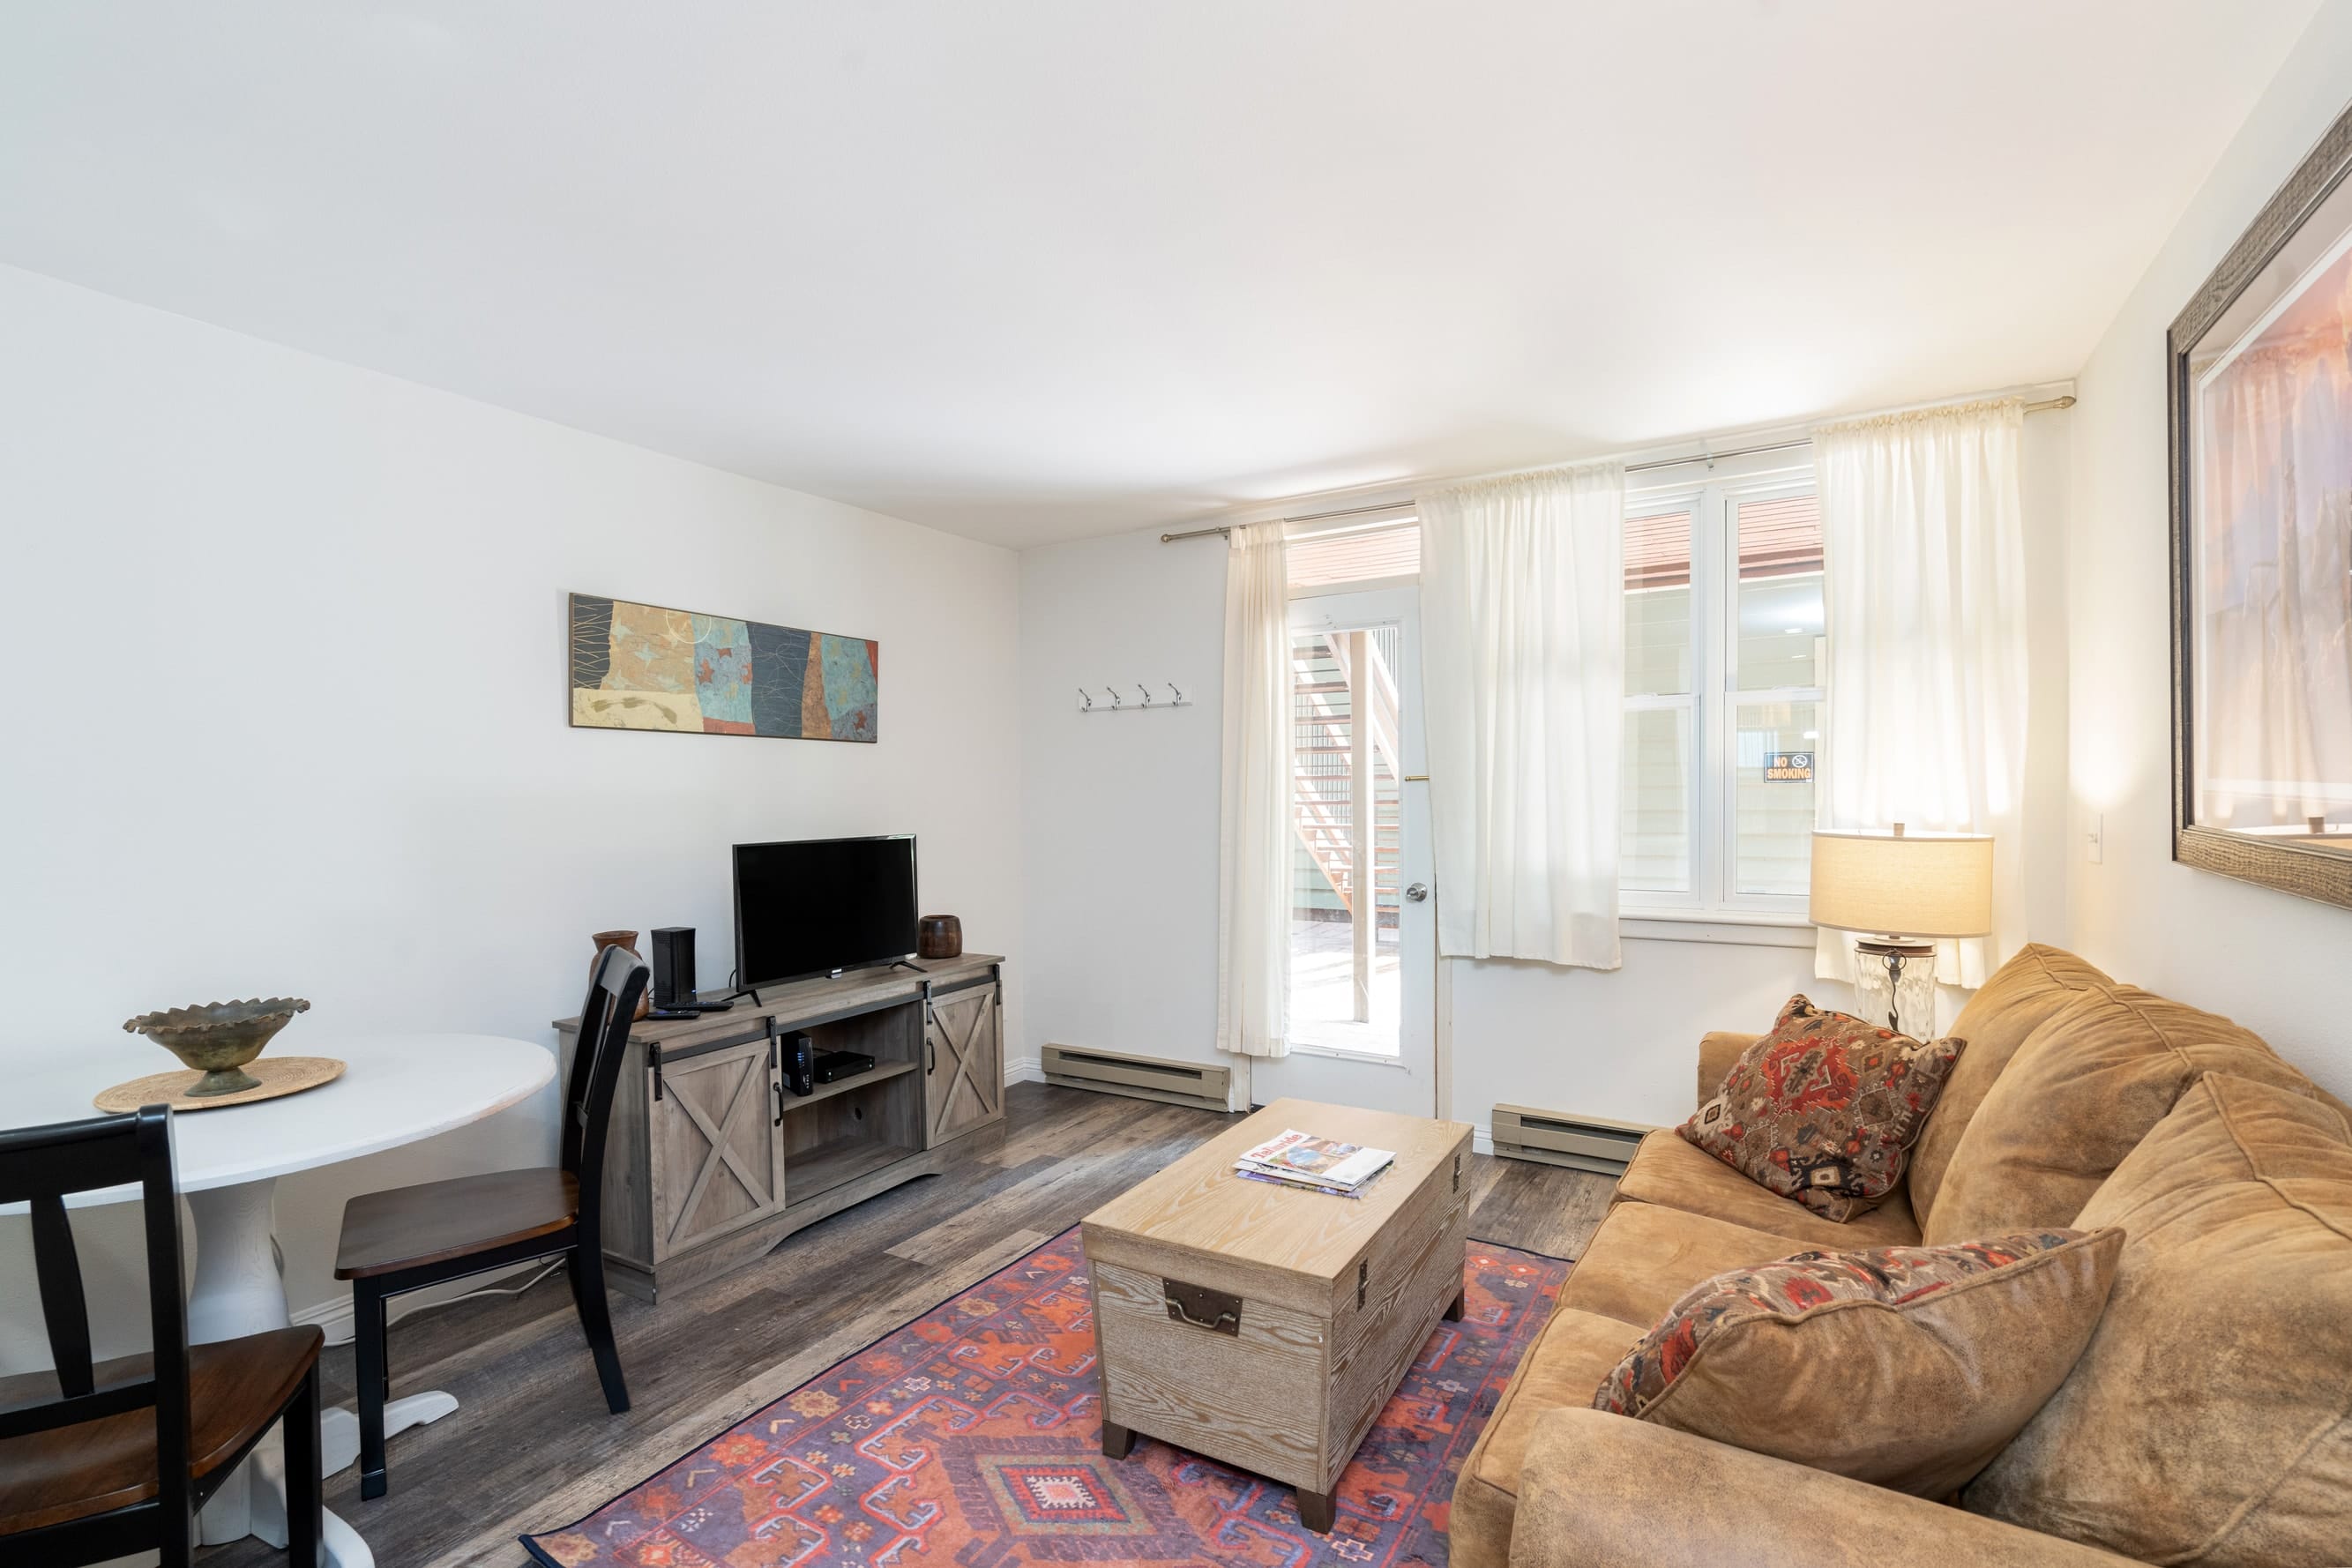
[647,666]
[2261,417]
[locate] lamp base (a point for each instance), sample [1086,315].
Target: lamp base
[1894,979]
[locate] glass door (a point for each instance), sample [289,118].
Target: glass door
[1363,919]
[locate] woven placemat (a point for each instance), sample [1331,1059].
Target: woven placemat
[278,1074]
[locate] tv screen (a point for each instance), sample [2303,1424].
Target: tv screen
[812,906]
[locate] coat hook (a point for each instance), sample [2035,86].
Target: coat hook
[1113,692]
[1147,693]
[1085,697]
[1179,691]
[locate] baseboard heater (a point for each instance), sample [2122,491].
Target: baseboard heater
[1580,1143]
[1146,1077]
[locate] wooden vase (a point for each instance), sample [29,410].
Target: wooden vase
[627,942]
[938,936]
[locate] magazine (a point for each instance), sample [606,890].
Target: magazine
[1267,1177]
[1301,1158]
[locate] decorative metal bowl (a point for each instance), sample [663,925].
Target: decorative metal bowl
[218,1038]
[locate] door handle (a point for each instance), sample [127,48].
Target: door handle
[777,1084]
[1417,892]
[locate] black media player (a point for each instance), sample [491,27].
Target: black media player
[832,1066]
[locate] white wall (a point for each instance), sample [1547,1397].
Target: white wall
[2280,965]
[1119,830]
[1119,811]
[1623,1043]
[290,716]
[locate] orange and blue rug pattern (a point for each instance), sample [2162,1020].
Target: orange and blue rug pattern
[973,1438]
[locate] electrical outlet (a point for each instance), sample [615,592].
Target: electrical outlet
[2094,842]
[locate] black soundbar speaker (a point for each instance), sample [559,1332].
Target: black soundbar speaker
[800,1063]
[673,966]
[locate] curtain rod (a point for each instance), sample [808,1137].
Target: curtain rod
[2043,406]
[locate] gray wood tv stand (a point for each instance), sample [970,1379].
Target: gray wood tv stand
[712,1160]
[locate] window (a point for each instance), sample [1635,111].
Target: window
[1722,697]
[1344,560]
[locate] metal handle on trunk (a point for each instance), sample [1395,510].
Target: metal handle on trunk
[1219,1311]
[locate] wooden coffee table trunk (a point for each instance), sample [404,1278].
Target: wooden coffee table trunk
[1263,1326]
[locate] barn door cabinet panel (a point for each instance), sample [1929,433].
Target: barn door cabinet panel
[712,1160]
[718,1128]
[963,1062]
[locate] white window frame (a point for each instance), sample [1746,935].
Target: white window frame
[1713,499]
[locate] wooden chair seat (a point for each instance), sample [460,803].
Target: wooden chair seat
[237,1389]
[435,1222]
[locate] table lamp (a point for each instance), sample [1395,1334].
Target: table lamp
[1908,888]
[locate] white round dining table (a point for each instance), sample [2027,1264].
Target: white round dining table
[394,1089]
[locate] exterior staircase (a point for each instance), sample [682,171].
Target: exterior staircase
[1323,688]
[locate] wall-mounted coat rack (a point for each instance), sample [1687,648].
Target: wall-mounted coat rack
[1132,698]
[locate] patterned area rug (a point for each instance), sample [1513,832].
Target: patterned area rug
[972,1437]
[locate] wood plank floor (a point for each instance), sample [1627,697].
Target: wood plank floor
[531,1447]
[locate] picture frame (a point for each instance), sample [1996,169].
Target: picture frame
[634,666]
[2259,411]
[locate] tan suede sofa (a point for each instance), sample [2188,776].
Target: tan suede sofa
[1553,1483]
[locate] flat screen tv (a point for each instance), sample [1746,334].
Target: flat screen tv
[818,906]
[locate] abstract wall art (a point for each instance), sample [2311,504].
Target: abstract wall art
[641,667]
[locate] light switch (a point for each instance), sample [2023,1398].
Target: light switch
[2094,842]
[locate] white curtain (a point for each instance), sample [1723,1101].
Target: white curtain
[1523,690]
[1253,848]
[1923,539]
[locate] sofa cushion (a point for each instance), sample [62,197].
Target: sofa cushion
[1825,1108]
[1574,1351]
[2209,1420]
[1670,1172]
[1601,1491]
[1909,1367]
[1719,1052]
[2013,1002]
[2079,1094]
[1643,1259]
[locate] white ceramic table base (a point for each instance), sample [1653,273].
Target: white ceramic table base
[239,1290]
[339,1429]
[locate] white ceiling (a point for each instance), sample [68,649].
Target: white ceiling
[1030,270]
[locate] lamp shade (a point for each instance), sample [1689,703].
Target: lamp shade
[1903,884]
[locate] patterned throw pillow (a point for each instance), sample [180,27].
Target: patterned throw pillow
[1909,1367]
[1825,1108]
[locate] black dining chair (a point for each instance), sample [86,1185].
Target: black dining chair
[100,1459]
[403,1240]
